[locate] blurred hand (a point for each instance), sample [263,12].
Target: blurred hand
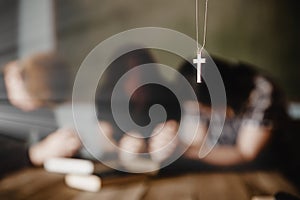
[163,141]
[61,143]
[109,142]
[16,90]
[130,146]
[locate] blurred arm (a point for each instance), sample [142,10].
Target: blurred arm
[62,143]
[251,140]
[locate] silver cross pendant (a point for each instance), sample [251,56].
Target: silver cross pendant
[199,60]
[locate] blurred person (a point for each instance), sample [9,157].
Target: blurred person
[141,100]
[255,114]
[41,80]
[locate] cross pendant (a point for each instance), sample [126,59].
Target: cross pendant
[199,60]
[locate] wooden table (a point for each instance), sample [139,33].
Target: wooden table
[39,184]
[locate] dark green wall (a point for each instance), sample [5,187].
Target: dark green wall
[261,32]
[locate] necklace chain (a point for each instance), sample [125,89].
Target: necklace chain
[199,50]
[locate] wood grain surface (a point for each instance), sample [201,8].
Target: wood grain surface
[36,183]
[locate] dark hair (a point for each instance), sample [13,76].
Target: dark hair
[117,69]
[237,79]
[143,97]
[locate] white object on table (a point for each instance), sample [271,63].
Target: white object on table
[69,166]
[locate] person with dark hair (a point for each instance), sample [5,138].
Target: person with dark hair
[255,113]
[141,100]
[41,80]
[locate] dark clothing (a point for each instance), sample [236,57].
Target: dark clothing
[13,155]
[16,127]
[257,108]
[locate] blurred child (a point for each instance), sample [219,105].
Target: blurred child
[42,80]
[134,140]
[254,114]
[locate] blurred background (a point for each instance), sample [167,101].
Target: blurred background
[263,33]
